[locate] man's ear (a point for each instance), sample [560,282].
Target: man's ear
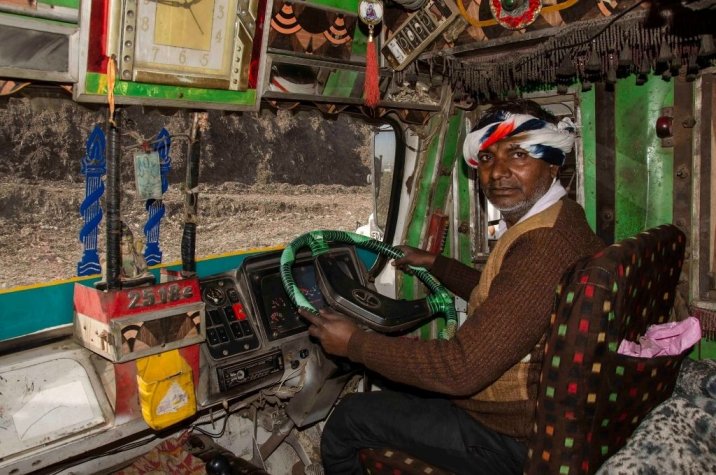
[554,170]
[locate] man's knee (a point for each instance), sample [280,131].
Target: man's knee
[344,416]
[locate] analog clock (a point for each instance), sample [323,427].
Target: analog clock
[202,43]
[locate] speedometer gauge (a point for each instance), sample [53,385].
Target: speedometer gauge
[214,296]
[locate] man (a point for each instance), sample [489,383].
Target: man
[477,408]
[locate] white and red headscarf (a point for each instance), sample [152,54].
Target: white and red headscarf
[541,139]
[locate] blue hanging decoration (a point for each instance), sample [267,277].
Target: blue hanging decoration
[93,168]
[155,208]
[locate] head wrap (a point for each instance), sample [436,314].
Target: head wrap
[541,139]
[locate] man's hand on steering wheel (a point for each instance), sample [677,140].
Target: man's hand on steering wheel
[356,298]
[333,329]
[414,257]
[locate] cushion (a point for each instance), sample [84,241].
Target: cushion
[679,435]
[592,398]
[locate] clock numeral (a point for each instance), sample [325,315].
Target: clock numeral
[204,59]
[182,56]
[221,12]
[219,36]
[144,23]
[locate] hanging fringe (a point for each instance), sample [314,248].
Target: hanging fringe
[111,79]
[707,318]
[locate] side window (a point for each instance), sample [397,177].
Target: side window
[383,173]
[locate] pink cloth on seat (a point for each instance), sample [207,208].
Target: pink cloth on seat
[665,339]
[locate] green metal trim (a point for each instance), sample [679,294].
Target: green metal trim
[39,21]
[62,3]
[421,202]
[644,169]
[96,83]
[340,83]
[443,181]
[589,155]
[347,5]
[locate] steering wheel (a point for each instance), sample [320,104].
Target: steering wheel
[350,297]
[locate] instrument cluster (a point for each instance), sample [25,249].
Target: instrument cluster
[255,338]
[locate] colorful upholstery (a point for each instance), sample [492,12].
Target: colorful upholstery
[592,398]
[393,462]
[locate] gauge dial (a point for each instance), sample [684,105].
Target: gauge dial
[214,296]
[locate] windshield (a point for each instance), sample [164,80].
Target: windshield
[265,178]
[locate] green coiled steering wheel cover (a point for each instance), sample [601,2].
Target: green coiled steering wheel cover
[439,300]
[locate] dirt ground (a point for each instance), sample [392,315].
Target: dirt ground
[265,178]
[40,222]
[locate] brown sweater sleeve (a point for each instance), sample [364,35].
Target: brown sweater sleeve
[455,276]
[496,336]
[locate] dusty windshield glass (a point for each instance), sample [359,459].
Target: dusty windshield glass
[265,178]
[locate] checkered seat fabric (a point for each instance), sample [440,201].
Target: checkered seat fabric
[592,398]
[394,462]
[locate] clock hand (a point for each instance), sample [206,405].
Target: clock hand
[195,20]
[187,4]
[184,4]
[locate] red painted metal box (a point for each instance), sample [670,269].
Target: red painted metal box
[123,325]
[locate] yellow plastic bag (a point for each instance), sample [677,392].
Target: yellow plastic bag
[166,389]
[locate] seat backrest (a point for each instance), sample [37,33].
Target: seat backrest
[592,398]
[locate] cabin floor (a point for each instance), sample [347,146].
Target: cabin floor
[40,221]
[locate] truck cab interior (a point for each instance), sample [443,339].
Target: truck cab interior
[185,351]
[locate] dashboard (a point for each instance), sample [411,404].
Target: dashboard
[256,339]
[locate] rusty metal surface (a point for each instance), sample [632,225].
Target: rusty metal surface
[683,163]
[605,163]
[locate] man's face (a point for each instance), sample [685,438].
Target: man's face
[511,179]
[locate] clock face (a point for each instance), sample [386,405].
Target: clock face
[186,42]
[191,34]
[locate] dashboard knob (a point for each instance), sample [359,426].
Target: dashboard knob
[219,465]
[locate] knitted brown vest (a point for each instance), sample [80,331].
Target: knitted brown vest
[512,385]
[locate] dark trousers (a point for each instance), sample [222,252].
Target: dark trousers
[431,429]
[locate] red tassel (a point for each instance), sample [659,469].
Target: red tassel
[371,92]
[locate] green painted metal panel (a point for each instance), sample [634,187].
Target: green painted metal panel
[644,169]
[35,309]
[97,84]
[340,83]
[424,184]
[421,198]
[444,180]
[589,153]
[349,5]
[441,188]
[63,3]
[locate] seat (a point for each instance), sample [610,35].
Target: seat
[591,398]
